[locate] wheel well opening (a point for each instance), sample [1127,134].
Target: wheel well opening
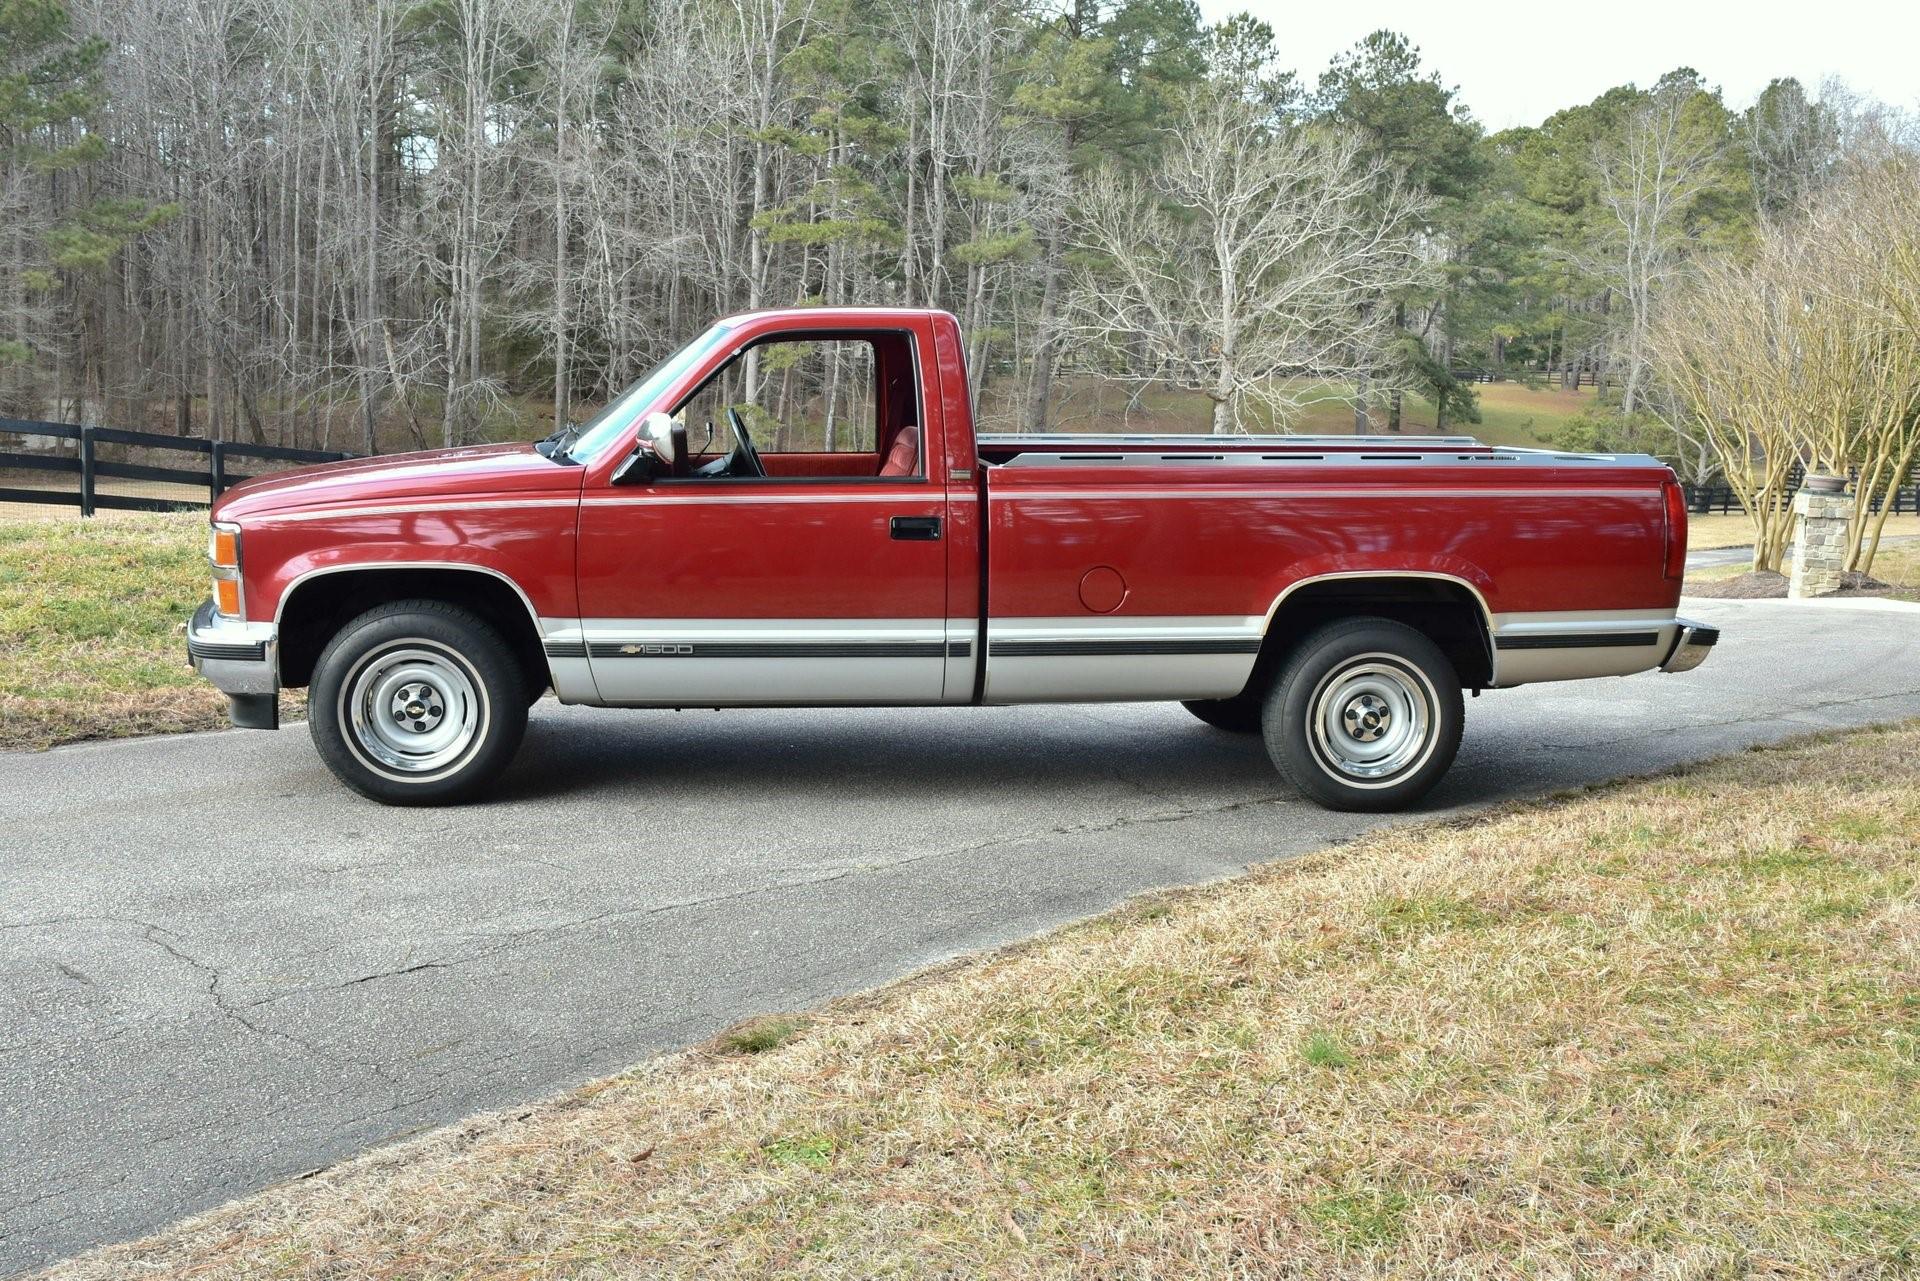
[1447,613]
[318,608]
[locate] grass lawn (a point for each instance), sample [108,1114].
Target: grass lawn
[1706,532]
[93,621]
[1899,566]
[1667,1028]
[1896,564]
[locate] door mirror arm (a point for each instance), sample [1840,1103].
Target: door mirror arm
[655,454]
[635,469]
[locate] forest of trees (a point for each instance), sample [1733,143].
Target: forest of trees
[386,223]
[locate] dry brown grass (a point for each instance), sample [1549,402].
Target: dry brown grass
[1665,1029]
[1899,565]
[1707,532]
[1896,564]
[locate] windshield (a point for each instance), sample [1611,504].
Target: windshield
[609,423]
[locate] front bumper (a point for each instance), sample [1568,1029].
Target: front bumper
[242,660]
[1691,646]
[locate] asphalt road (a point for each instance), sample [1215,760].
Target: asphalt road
[219,969]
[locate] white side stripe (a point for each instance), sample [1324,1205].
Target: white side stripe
[423,508]
[650,498]
[1282,492]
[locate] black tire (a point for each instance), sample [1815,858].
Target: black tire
[1317,725]
[1240,714]
[419,659]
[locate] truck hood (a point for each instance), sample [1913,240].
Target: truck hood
[473,471]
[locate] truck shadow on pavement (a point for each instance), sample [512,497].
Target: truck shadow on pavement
[864,755]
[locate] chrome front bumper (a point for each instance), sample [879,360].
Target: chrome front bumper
[242,660]
[1691,646]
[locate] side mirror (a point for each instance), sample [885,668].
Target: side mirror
[655,454]
[656,434]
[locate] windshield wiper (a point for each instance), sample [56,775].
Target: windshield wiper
[557,445]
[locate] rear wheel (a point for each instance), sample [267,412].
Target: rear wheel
[1240,714]
[418,703]
[1366,715]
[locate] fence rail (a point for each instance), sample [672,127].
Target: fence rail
[1704,500]
[214,475]
[1561,376]
[90,468]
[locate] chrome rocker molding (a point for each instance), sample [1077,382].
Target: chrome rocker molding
[758,649]
[242,660]
[1579,640]
[1691,647]
[1581,644]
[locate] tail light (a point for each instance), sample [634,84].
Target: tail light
[1676,500]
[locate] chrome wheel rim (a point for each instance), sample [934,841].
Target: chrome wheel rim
[412,709]
[1372,720]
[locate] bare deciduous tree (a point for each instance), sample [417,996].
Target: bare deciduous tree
[1242,267]
[1810,353]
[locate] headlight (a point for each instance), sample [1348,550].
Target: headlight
[223,556]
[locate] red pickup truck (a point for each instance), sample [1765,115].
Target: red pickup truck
[794,510]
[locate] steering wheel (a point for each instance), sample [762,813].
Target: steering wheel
[745,460]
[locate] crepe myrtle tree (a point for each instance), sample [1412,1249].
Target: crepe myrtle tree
[1810,351]
[1242,266]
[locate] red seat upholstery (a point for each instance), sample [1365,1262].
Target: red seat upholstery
[904,458]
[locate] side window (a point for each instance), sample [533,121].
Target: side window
[813,407]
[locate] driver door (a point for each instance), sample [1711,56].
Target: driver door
[822,581]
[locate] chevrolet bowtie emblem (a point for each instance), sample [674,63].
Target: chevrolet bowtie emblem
[630,649]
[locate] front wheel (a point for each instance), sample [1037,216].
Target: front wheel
[417,703]
[1366,716]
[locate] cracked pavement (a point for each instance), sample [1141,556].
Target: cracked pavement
[218,969]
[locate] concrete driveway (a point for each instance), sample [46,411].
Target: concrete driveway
[219,969]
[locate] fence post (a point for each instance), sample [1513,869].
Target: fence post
[86,470]
[217,471]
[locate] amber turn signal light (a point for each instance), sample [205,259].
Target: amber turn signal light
[223,546]
[223,556]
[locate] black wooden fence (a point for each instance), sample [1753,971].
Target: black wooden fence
[1707,499]
[85,462]
[1561,376]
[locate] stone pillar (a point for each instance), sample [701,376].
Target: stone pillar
[1819,539]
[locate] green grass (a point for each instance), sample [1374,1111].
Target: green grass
[757,1036]
[1324,1050]
[1356,1220]
[814,1151]
[93,620]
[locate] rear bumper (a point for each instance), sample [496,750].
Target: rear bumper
[1691,647]
[242,660]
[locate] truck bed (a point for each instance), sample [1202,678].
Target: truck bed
[1117,562]
[1005,447]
